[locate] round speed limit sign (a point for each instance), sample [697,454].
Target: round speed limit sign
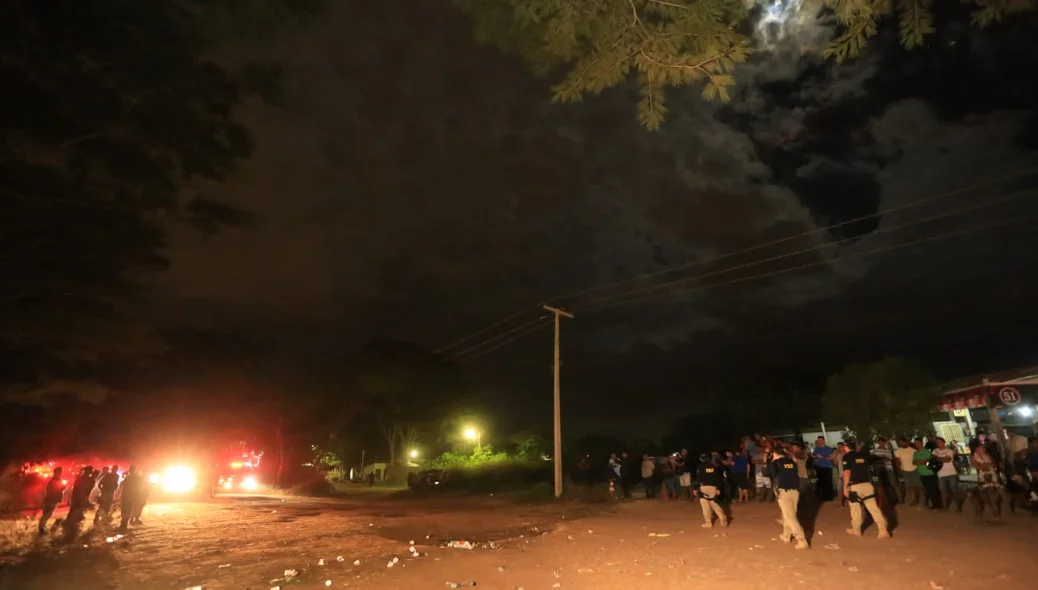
[1010,396]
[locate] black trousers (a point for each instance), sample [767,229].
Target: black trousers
[933,492]
[824,485]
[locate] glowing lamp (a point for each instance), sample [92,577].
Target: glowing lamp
[178,480]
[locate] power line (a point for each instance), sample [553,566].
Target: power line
[659,286]
[483,343]
[874,251]
[666,271]
[694,264]
[480,332]
[810,265]
[518,336]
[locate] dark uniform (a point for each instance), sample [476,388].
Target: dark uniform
[132,488]
[51,498]
[711,482]
[787,489]
[107,486]
[860,491]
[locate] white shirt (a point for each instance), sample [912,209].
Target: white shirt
[647,468]
[884,455]
[1017,444]
[949,467]
[905,457]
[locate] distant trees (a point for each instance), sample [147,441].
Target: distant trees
[404,392]
[661,44]
[112,114]
[891,397]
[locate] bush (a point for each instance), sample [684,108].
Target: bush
[498,476]
[314,485]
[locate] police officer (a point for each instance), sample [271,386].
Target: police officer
[787,489]
[51,498]
[711,481]
[858,489]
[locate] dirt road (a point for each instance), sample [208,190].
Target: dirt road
[250,543]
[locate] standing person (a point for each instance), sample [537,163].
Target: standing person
[885,458]
[989,483]
[106,485]
[823,456]
[648,471]
[711,481]
[904,463]
[858,488]
[841,450]
[948,475]
[758,467]
[131,487]
[51,498]
[739,474]
[670,478]
[614,473]
[142,500]
[684,470]
[799,454]
[787,490]
[625,475]
[928,476]
[80,498]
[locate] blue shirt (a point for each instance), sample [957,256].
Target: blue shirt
[823,452]
[739,464]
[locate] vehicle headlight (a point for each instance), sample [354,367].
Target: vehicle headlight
[178,480]
[249,483]
[154,478]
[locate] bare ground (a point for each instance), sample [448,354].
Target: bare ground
[249,543]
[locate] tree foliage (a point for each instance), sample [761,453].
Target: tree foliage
[404,392]
[597,44]
[891,397]
[113,113]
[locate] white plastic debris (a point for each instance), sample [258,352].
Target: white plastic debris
[659,534]
[193,588]
[410,543]
[289,574]
[460,545]
[356,562]
[320,562]
[327,582]
[275,588]
[340,559]
[109,539]
[220,567]
[390,564]
[396,560]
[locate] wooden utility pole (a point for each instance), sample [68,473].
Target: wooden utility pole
[559,314]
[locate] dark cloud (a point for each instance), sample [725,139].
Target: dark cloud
[419,186]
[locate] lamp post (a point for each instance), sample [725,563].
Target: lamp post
[473,434]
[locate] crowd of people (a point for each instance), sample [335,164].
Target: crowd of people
[106,487]
[922,472]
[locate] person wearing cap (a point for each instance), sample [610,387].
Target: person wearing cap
[787,489]
[858,488]
[710,476]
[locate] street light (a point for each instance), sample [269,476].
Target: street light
[414,453]
[473,434]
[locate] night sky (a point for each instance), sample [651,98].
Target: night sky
[418,187]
